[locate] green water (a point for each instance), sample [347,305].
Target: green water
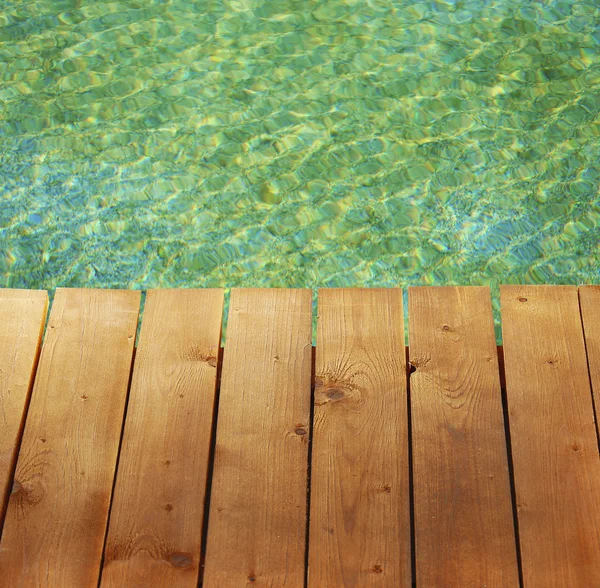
[296,143]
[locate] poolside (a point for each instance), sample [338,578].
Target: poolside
[208,149]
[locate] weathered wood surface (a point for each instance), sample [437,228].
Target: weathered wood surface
[57,513]
[360,508]
[589,301]
[257,519]
[464,529]
[553,435]
[155,529]
[250,498]
[22,317]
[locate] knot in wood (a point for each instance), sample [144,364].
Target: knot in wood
[180,560]
[335,394]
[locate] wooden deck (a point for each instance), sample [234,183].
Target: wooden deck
[270,463]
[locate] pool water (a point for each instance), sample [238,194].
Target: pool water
[157,143]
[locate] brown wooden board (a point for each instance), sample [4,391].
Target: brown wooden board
[57,512]
[155,527]
[22,318]
[553,436]
[589,301]
[360,506]
[464,527]
[257,519]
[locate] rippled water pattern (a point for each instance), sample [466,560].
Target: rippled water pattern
[298,143]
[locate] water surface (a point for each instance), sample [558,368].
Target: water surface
[298,143]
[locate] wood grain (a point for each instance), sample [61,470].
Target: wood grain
[155,528]
[463,510]
[360,506]
[257,520]
[553,435]
[589,302]
[22,318]
[57,512]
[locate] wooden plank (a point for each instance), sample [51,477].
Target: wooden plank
[57,512]
[589,302]
[553,436]
[257,520]
[464,528]
[154,536]
[360,506]
[22,318]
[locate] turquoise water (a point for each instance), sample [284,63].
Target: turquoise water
[297,143]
